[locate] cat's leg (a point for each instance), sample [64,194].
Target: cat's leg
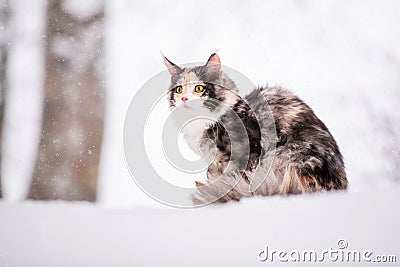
[227,187]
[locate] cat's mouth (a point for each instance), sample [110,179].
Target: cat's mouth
[185,106]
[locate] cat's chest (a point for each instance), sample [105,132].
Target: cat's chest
[193,133]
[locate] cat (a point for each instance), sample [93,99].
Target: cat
[306,157]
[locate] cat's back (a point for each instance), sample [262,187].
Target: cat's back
[293,118]
[285,106]
[303,141]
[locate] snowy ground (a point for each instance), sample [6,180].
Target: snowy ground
[65,234]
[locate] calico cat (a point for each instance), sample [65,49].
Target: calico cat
[306,156]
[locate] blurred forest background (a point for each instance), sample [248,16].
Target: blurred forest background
[70,102]
[69,68]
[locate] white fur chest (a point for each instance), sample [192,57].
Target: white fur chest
[193,133]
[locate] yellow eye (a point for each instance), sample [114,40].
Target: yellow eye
[178,89]
[199,88]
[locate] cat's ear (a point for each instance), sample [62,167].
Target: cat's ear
[213,65]
[172,68]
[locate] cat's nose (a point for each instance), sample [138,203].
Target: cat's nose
[184,99]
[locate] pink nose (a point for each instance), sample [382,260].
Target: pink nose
[184,99]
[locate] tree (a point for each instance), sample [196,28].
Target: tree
[69,152]
[4,16]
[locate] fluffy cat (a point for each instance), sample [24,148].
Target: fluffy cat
[306,156]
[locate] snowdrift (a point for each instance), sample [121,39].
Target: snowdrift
[81,234]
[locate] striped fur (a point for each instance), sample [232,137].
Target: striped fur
[302,154]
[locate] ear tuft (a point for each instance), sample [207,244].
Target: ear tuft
[213,65]
[214,58]
[172,68]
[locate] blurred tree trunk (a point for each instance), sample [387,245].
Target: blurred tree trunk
[69,152]
[4,16]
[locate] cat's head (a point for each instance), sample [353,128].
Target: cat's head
[205,86]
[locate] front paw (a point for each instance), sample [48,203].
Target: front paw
[199,184]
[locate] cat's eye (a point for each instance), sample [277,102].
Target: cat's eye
[178,89]
[199,88]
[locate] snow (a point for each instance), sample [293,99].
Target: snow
[82,234]
[342,58]
[23,108]
[83,10]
